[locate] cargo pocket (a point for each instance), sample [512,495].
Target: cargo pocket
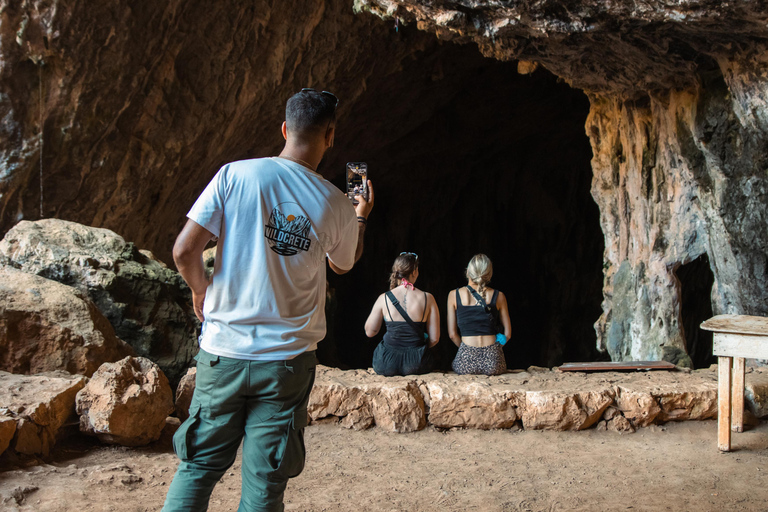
[181,444]
[291,453]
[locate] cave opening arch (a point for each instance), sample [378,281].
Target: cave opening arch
[468,156]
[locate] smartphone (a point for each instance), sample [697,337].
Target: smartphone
[357,180]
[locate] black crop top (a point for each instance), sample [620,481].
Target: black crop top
[400,334]
[473,320]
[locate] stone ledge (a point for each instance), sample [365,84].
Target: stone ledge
[534,399]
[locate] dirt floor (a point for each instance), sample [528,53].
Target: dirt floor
[672,467]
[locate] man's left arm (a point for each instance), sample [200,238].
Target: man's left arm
[188,256]
[363,210]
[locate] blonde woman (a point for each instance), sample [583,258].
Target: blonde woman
[412,320]
[475,313]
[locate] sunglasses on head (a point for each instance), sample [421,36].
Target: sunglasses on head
[410,254]
[326,93]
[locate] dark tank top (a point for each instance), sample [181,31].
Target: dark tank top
[400,334]
[473,320]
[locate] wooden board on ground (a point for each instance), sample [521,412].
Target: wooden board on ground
[611,366]
[737,324]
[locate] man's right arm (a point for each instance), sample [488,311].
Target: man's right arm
[188,256]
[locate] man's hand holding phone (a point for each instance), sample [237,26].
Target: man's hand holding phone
[364,206]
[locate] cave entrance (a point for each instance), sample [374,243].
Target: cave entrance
[469,156]
[696,281]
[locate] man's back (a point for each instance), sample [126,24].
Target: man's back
[275,220]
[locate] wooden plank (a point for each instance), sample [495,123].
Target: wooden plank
[739,345]
[737,393]
[609,366]
[737,324]
[724,404]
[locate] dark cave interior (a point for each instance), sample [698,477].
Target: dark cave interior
[696,281]
[468,156]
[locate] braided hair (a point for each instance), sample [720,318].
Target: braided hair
[480,271]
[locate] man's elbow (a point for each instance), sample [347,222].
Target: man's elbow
[182,253]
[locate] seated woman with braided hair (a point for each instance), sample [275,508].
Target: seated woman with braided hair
[474,314]
[412,320]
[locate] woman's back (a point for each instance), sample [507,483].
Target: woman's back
[413,301]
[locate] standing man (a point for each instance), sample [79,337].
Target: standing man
[263,308]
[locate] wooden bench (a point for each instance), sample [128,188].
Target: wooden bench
[739,337]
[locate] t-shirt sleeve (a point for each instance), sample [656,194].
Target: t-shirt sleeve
[342,254]
[208,210]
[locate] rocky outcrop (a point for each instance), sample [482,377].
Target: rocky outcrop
[7,430]
[473,402]
[39,405]
[126,402]
[147,303]
[678,127]
[362,400]
[623,46]
[47,326]
[666,159]
[534,399]
[756,393]
[117,116]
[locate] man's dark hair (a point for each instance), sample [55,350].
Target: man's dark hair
[309,112]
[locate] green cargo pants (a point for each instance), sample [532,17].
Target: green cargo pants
[261,403]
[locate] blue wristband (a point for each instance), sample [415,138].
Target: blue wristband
[501,339]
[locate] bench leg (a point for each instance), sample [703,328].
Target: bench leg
[737,392]
[724,403]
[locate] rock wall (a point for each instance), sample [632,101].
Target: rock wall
[677,175]
[678,131]
[126,110]
[134,107]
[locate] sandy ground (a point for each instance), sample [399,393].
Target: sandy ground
[672,467]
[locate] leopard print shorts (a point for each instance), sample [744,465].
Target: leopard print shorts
[480,360]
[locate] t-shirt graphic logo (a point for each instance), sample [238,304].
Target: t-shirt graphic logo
[287,234]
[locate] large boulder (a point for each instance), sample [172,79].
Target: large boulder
[472,401]
[7,430]
[668,396]
[46,326]
[756,392]
[362,399]
[126,402]
[39,406]
[148,304]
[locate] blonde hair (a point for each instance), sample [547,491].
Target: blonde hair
[480,271]
[402,268]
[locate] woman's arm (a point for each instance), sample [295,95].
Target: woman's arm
[453,329]
[373,324]
[433,321]
[501,303]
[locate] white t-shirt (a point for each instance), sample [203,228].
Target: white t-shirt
[276,222]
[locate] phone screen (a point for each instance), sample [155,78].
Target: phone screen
[357,180]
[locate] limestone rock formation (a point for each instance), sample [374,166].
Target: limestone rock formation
[473,402]
[39,405]
[184,392]
[7,430]
[547,400]
[756,392]
[362,400]
[126,402]
[46,326]
[559,410]
[117,116]
[147,303]
[678,128]
[668,396]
